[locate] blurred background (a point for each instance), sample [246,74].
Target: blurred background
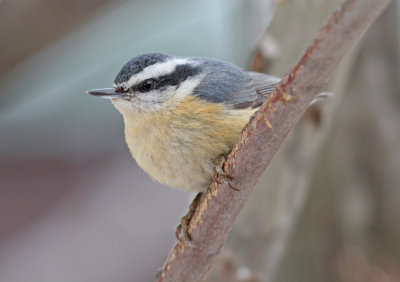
[76,207]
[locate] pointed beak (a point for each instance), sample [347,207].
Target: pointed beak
[106,93]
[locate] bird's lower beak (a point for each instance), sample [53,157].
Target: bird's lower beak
[106,93]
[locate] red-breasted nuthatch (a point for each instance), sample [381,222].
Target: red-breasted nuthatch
[181,114]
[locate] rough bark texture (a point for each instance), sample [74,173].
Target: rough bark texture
[262,137]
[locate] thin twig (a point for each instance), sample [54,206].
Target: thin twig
[262,137]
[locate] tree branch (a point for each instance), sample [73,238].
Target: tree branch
[262,137]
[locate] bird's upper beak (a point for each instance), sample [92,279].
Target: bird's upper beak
[106,93]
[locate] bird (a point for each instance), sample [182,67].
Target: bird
[182,115]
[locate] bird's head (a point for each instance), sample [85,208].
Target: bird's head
[152,81]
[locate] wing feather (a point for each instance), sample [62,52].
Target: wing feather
[258,87]
[228,84]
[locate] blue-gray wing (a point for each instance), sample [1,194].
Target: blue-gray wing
[228,84]
[260,84]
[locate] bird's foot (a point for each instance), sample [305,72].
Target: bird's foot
[182,230]
[220,176]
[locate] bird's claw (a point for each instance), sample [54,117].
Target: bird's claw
[182,230]
[220,176]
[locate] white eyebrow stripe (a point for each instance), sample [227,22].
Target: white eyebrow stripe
[155,70]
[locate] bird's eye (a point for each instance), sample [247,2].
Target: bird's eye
[146,85]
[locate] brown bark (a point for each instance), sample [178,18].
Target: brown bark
[263,136]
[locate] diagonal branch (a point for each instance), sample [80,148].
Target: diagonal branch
[262,137]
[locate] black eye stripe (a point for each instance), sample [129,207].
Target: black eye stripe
[181,73]
[144,86]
